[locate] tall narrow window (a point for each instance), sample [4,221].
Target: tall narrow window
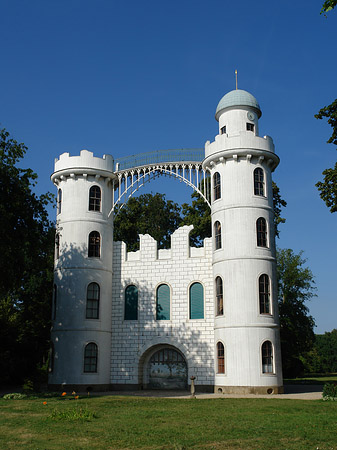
[258,182]
[57,246]
[94,247]
[223,130]
[264,294]
[95,198]
[54,302]
[261,232]
[267,357]
[93,294]
[59,201]
[196,301]
[216,186]
[219,296]
[250,126]
[220,357]
[163,302]
[131,303]
[217,235]
[90,358]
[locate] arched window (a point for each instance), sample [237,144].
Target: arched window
[261,232]
[131,303]
[57,246]
[220,357]
[258,182]
[217,235]
[196,301]
[95,198]
[59,201]
[267,357]
[90,358]
[94,247]
[54,302]
[92,309]
[163,302]
[216,186]
[264,294]
[219,296]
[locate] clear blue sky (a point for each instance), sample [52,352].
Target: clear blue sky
[125,77]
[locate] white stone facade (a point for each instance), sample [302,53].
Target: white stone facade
[233,345]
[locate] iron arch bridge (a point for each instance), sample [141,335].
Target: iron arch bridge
[132,172]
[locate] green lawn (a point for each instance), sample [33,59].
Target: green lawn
[155,423]
[313,379]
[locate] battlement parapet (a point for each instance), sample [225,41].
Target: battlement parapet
[85,162]
[180,248]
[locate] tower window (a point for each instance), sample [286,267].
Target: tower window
[264,294]
[95,198]
[59,201]
[220,357]
[94,247]
[90,358]
[196,301]
[250,126]
[216,186]
[219,296]
[223,130]
[267,357]
[261,232]
[217,235]
[163,302]
[131,303]
[258,182]
[57,246]
[92,309]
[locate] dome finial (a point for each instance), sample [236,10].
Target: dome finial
[236,79]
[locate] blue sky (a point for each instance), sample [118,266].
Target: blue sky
[128,77]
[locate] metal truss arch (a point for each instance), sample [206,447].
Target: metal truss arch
[129,181]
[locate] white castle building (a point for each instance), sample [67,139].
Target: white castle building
[153,318]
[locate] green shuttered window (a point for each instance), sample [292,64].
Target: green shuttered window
[163,302]
[196,301]
[131,303]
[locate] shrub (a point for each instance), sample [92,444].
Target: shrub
[15,396]
[330,391]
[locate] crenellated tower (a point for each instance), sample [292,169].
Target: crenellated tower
[83,270]
[246,327]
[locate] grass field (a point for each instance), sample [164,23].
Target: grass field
[313,379]
[110,422]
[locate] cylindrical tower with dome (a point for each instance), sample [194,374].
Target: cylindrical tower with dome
[247,343]
[81,327]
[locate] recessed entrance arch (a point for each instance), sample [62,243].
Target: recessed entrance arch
[163,367]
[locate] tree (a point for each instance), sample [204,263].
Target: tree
[26,266]
[148,213]
[328,5]
[328,187]
[295,288]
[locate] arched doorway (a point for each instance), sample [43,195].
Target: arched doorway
[167,369]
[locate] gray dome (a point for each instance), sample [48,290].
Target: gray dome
[237,97]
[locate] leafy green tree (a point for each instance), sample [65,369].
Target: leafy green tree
[323,357]
[295,288]
[148,213]
[328,187]
[26,266]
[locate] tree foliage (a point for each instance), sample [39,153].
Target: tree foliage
[295,288]
[26,266]
[148,213]
[323,357]
[328,5]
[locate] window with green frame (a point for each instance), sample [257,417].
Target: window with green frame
[163,302]
[131,303]
[196,301]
